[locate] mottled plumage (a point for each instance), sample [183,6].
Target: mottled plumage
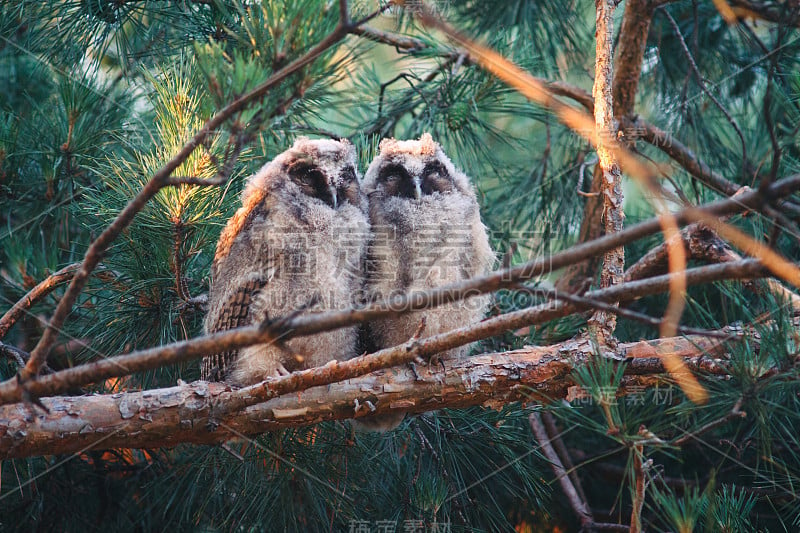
[298,240]
[427,232]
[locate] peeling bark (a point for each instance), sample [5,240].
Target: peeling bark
[200,412]
[602,323]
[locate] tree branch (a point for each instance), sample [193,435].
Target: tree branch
[680,154]
[576,502]
[699,241]
[42,289]
[627,71]
[630,54]
[777,12]
[10,391]
[197,412]
[638,488]
[602,324]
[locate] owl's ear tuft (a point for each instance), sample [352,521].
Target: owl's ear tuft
[387,145]
[427,145]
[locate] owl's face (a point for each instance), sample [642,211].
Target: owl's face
[320,171]
[414,171]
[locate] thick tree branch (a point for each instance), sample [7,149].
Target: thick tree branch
[195,413]
[627,71]
[630,54]
[196,348]
[603,323]
[699,241]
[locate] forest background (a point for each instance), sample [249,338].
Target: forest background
[634,372]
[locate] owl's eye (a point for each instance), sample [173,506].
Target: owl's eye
[397,182]
[312,182]
[307,174]
[393,173]
[435,178]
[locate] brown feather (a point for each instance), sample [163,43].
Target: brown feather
[236,313]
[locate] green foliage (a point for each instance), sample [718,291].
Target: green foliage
[97,95]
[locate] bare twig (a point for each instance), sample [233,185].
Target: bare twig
[20,357]
[558,444]
[583,303]
[637,489]
[578,505]
[687,159]
[680,153]
[735,412]
[41,290]
[701,83]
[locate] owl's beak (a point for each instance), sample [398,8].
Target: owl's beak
[333,195]
[417,189]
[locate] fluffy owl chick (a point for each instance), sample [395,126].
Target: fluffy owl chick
[299,240]
[427,232]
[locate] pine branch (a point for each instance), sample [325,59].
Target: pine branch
[630,55]
[735,412]
[195,413]
[627,71]
[638,488]
[11,391]
[680,153]
[42,289]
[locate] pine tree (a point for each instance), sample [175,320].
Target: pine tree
[98,95]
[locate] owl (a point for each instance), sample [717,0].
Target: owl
[426,232]
[297,243]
